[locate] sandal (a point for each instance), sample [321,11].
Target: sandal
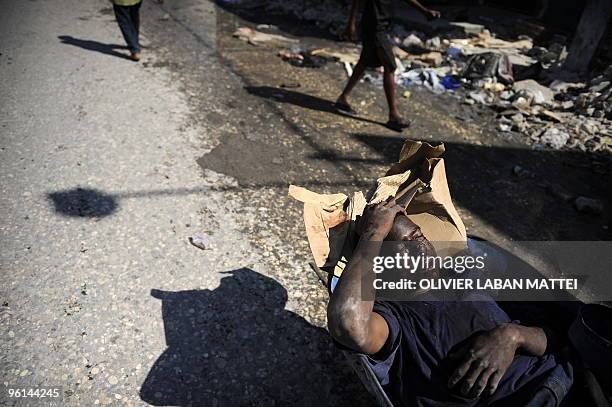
[398,125]
[344,107]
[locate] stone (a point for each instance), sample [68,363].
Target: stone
[589,205]
[600,87]
[541,94]
[555,138]
[568,104]
[517,118]
[480,97]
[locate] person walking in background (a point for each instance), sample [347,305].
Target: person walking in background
[127,13]
[377,51]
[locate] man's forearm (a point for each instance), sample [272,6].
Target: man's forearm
[416,4]
[348,311]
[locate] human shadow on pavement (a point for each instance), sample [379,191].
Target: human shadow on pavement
[302,100]
[90,45]
[236,345]
[83,202]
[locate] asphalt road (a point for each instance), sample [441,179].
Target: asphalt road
[102,294]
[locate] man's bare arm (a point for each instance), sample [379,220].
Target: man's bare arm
[350,318]
[428,12]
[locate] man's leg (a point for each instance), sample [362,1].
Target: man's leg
[135,17]
[389,86]
[355,77]
[387,58]
[122,14]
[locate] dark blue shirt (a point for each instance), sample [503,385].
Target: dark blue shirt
[413,367]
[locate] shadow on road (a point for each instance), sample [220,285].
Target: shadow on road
[236,345]
[83,202]
[90,45]
[302,100]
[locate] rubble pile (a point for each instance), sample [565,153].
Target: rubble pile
[512,77]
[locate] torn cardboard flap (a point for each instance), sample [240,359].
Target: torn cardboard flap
[330,219]
[413,153]
[387,187]
[326,223]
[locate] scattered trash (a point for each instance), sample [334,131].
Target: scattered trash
[350,55]
[349,69]
[514,78]
[257,38]
[424,77]
[412,41]
[489,65]
[303,59]
[200,242]
[451,82]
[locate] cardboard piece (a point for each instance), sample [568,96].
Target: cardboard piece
[326,223]
[331,219]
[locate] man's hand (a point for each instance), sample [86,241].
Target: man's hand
[432,14]
[484,360]
[378,220]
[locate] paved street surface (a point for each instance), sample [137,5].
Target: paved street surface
[108,167]
[102,294]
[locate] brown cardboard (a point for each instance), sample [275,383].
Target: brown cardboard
[330,219]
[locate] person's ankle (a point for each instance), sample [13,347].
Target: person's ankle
[395,116]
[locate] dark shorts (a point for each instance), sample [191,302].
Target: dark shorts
[378,51]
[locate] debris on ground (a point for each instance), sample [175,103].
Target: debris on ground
[302,59]
[348,55]
[256,38]
[514,75]
[200,242]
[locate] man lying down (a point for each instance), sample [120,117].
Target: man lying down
[440,353]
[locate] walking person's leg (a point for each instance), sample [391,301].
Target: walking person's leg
[342,102]
[135,16]
[389,86]
[124,20]
[387,59]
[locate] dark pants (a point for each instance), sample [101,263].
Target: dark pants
[128,18]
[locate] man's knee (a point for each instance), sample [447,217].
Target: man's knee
[389,72]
